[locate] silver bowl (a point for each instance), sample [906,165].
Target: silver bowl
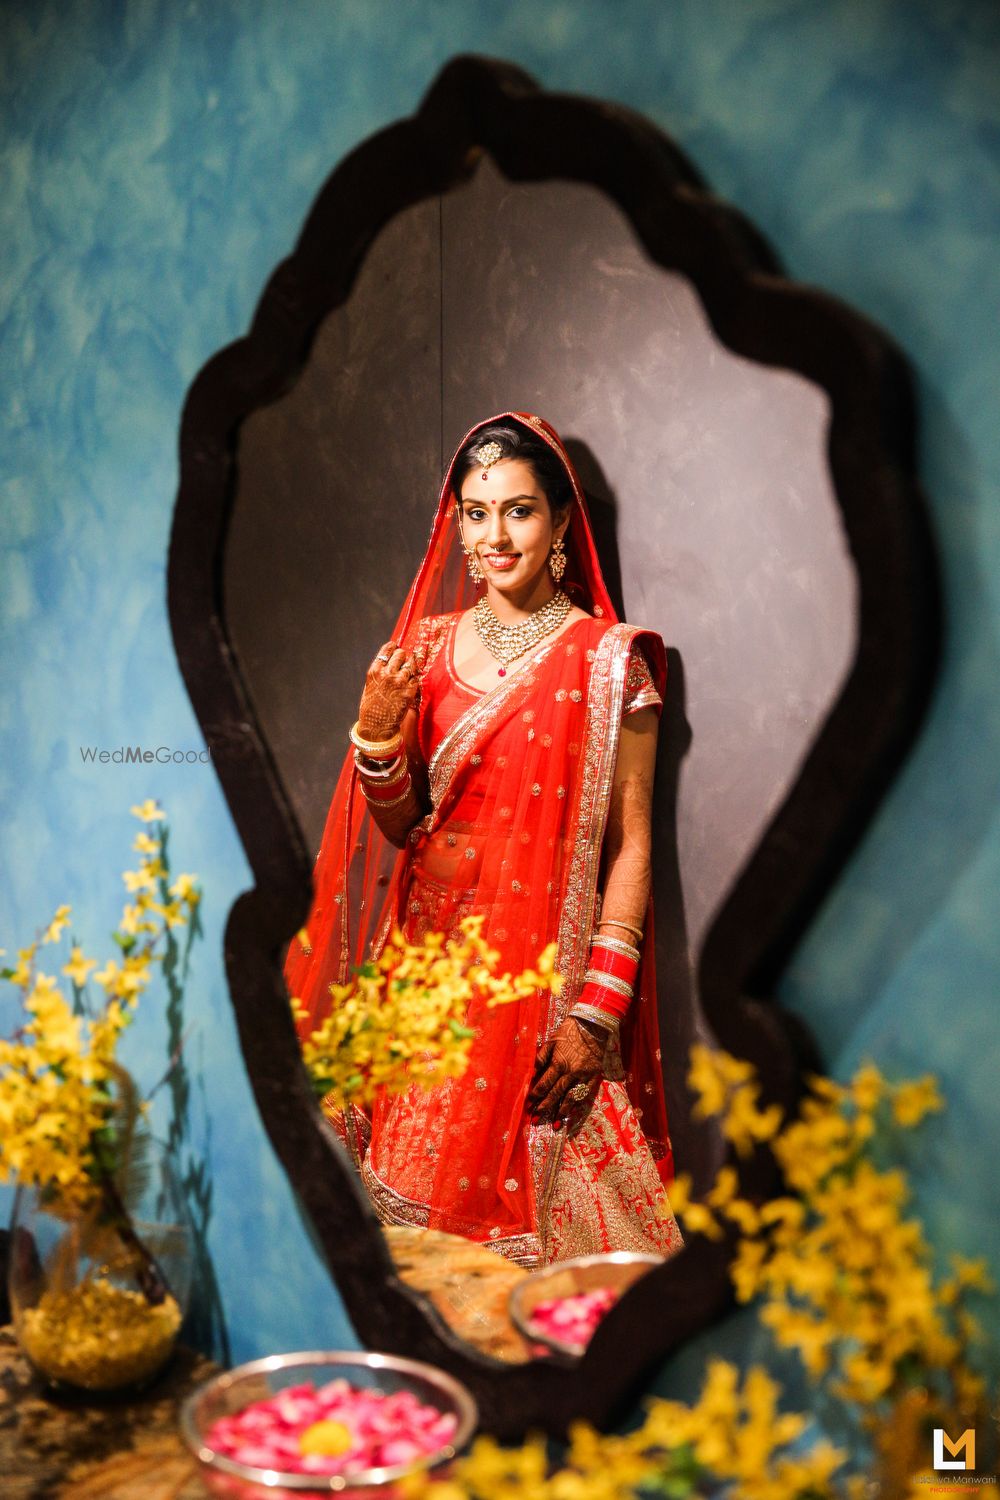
[235,1389]
[565,1278]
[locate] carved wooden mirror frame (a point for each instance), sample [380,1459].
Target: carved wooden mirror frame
[479,105]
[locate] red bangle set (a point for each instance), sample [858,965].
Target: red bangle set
[610,980]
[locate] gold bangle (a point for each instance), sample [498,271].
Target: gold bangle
[628,926]
[375,749]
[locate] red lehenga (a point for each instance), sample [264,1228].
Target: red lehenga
[519,781]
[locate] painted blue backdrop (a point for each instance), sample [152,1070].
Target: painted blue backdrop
[157,159]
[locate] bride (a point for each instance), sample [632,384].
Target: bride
[506,750]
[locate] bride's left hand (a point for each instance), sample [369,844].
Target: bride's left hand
[573,1056]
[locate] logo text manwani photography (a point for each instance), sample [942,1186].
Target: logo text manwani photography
[135,755]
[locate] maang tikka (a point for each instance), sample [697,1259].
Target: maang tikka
[488,455]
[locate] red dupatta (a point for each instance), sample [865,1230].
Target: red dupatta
[520,785]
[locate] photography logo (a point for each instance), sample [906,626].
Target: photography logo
[943,1442]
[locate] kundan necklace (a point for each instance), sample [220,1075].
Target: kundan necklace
[508,642]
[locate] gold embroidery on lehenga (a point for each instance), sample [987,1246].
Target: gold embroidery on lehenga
[605,1197]
[393,1208]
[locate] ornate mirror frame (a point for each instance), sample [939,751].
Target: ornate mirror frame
[479,105]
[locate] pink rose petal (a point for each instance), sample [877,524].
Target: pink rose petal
[388,1430]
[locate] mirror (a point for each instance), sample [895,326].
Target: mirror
[724,425]
[707,473]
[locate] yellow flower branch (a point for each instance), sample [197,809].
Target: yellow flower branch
[401,1020]
[841,1275]
[845,1277]
[58,1073]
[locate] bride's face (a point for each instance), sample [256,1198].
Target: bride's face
[508,524]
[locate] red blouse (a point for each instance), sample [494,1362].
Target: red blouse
[444,696]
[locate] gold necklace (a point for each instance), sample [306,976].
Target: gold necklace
[508,642]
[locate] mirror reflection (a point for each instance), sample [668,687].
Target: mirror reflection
[692,497]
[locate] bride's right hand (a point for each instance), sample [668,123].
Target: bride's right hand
[391,689]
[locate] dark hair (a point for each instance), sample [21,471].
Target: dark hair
[517,442]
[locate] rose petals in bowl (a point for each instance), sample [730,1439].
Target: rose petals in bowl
[558,1307]
[319,1422]
[572,1320]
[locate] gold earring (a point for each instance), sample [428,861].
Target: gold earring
[557,559]
[470,556]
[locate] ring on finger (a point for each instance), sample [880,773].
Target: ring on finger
[381,657]
[578,1091]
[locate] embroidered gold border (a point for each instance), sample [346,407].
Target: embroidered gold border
[605,696]
[647,698]
[393,1208]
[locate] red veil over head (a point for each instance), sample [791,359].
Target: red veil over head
[363,885]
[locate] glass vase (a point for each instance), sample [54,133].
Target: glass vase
[99,1288]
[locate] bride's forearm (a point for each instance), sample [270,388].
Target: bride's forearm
[395,818]
[396,791]
[628,841]
[609,983]
[397,797]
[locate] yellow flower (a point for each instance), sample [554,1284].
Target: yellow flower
[21,973]
[913,1100]
[79,967]
[149,811]
[171,913]
[186,888]
[145,845]
[110,976]
[867,1087]
[744,1123]
[699,1219]
[793,1329]
[53,1024]
[972,1273]
[746,1269]
[724,1188]
[55,928]
[866,1377]
[680,1192]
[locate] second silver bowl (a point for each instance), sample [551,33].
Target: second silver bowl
[567,1278]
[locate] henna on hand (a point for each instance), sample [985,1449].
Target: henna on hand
[573,1055]
[392,686]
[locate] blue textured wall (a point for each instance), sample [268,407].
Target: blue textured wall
[158,159]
